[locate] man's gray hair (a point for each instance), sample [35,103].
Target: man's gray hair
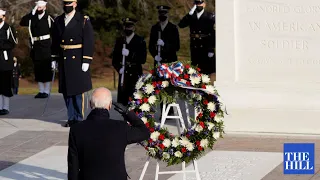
[101,98]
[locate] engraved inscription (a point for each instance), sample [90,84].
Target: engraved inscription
[285,44]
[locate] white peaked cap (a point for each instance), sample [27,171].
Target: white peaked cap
[41,3]
[2,12]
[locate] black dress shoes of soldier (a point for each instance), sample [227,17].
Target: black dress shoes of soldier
[70,123]
[41,95]
[4,112]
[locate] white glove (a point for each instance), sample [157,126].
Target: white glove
[34,10]
[85,67]
[193,9]
[53,65]
[125,52]
[157,58]
[121,71]
[210,54]
[160,42]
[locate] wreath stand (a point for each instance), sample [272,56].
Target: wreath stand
[179,119]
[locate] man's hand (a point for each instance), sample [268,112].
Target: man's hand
[158,58]
[125,52]
[34,10]
[121,71]
[160,42]
[210,54]
[53,65]
[85,67]
[193,9]
[121,108]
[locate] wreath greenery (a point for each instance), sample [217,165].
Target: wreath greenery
[169,83]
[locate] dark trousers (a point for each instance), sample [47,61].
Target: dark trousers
[15,90]
[75,106]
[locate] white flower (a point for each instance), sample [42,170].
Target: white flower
[204,143]
[178,154]
[149,89]
[152,99]
[154,136]
[152,151]
[198,128]
[218,118]
[190,147]
[145,107]
[216,135]
[165,84]
[148,76]
[205,78]
[210,125]
[191,71]
[195,80]
[144,119]
[175,142]
[166,142]
[196,96]
[184,141]
[137,95]
[166,155]
[210,89]
[211,106]
[139,85]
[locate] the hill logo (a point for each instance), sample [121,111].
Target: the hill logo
[298,158]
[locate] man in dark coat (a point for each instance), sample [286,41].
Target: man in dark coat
[40,28]
[7,43]
[72,49]
[97,145]
[202,37]
[135,54]
[165,35]
[16,76]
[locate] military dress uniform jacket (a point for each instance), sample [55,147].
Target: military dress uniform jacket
[133,66]
[202,39]
[171,39]
[97,146]
[73,45]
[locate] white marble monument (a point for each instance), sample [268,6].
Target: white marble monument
[268,65]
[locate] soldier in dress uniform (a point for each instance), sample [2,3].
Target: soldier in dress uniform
[202,37]
[16,75]
[7,43]
[40,24]
[135,54]
[165,35]
[72,52]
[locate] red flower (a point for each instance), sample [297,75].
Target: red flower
[199,75]
[198,143]
[161,137]
[130,98]
[140,101]
[137,113]
[212,114]
[157,91]
[188,83]
[145,100]
[198,69]
[200,148]
[204,86]
[150,140]
[188,135]
[186,76]
[201,124]
[200,115]
[152,71]
[187,66]
[146,148]
[205,102]
[159,82]
[151,129]
[179,78]
[183,150]
[162,146]
[148,125]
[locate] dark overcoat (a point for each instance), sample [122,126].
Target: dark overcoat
[133,67]
[16,75]
[202,40]
[7,43]
[170,36]
[97,146]
[41,50]
[79,32]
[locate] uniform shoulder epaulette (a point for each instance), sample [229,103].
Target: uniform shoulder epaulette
[86,17]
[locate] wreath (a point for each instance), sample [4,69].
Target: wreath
[169,83]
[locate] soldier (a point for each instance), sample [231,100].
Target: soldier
[40,26]
[202,37]
[164,35]
[16,76]
[72,50]
[7,43]
[134,54]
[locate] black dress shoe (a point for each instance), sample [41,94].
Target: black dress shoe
[44,95]
[4,112]
[67,124]
[39,95]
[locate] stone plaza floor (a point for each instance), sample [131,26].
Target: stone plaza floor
[33,146]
